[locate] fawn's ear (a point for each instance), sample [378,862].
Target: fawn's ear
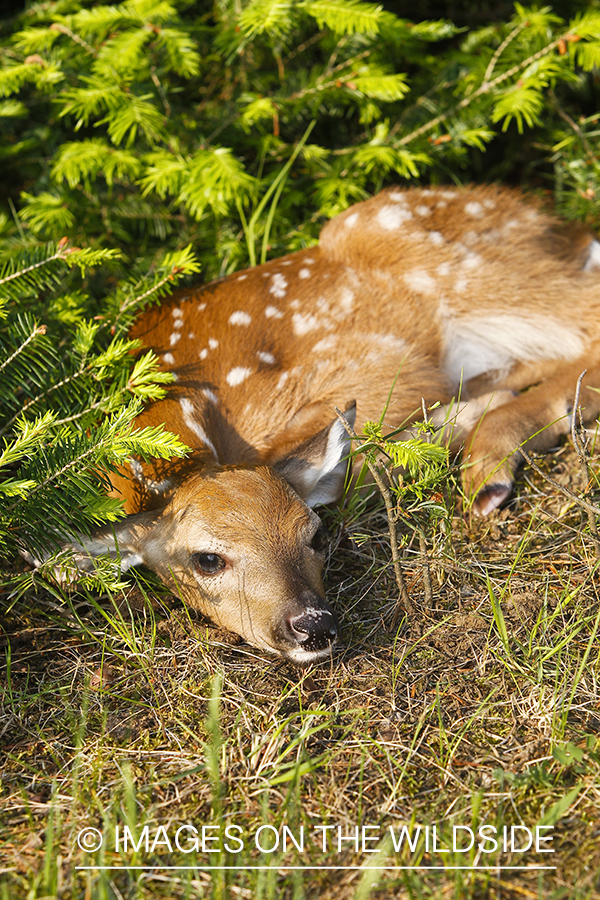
[316,469]
[123,541]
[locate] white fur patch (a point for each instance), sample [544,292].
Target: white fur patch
[279,285]
[177,313]
[423,210]
[237,375]
[240,318]
[436,238]
[282,380]
[474,209]
[304,273]
[213,343]
[241,277]
[393,217]
[325,344]
[169,359]
[201,307]
[304,323]
[471,261]
[351,220]
[478,344]
[187,408]
[174,338]
[593,260]
[418,280]
[271,312]
[347,299]
[266,358]
[203,353]
[443,269]
[210,395]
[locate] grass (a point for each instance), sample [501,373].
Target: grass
[130,716]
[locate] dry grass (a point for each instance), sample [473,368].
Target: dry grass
[486,711]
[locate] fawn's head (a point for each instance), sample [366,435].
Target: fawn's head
[242,545]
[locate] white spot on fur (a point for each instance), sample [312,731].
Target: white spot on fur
[477,344]
[304,273]
[420,281]
[239,318]
[187,408]
[593,260]
[203,353]
[393,217]
[238,375]
[178,324]
[284,262]
[271,312]
[436,238]
[489,204]
[474,209]
[213,343]
[241,277]
[136,467]
[191,336]
[460,285]
[177,313]
[210,395]
[169,359]
[423,210]
[304,324]
[174,338]
[308,260]
[201,307]
[347,299]
[325,344]
[295,304]
[282,380]
[351,220]
[510,225]
[471,261]
[441,205]
[278,288]
[267,358]
[399,197]
[443,269]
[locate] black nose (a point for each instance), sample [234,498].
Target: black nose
[315,629]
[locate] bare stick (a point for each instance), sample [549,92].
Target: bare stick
[428,590]
[404,600]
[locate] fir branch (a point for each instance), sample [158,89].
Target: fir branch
[484,88]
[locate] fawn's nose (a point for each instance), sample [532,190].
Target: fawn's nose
[314,629]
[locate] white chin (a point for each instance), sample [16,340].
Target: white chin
[304,657]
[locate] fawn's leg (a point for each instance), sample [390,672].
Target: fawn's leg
[539,417]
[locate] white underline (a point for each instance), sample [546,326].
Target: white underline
[326,868]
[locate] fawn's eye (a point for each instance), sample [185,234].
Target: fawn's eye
[319,540]
[208,563]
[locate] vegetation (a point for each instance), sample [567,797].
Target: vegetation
[129,134]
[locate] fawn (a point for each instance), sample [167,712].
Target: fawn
[470,291]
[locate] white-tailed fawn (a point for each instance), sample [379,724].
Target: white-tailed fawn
[441,293]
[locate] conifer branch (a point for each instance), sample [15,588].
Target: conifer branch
[484,88]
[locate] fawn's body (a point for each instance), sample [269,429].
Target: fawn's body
[438,292]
